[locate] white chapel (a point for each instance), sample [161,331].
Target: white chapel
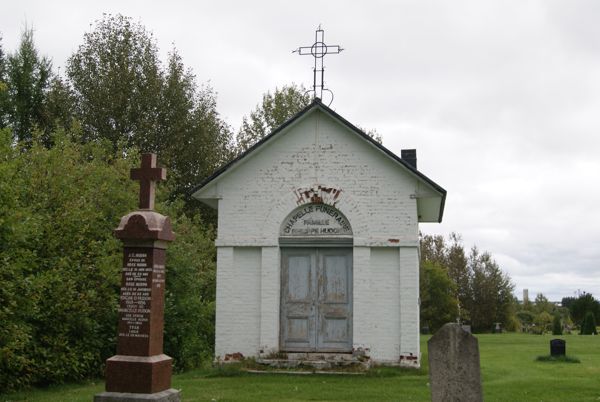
[318,243]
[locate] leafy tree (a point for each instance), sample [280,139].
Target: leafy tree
[123,94]
[483,291]
[117,80]
[27,82]
[274,110]
[588,327]
[542,304]
[433,248]
[193,140]
[543,322]
[526,318]
[438,303]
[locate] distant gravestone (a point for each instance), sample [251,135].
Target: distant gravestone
[454,372]
[558,347]
[140,370]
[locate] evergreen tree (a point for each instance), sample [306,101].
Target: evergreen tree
[582,305]
[60,105]
[588,327]
[27,82]
[492,291]
[3,89]
[557,325]
[458,270]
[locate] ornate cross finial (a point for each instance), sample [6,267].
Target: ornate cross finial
[318,50]
[148,175]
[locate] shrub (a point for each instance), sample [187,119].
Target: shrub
[557,326]
[60,264]
[190,290]
[60,261]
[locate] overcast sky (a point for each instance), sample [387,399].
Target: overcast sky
[500,99]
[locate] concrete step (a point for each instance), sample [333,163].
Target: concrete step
[317,361]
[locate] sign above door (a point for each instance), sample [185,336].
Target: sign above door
[315,220]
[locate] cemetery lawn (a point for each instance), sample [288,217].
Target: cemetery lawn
[510,372]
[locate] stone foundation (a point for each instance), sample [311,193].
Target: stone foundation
[169,395]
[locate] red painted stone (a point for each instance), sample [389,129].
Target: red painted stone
[140,365]
[144,375]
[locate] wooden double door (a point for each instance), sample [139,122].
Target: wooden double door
[316,299]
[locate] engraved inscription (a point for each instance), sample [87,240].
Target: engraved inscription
[136,295]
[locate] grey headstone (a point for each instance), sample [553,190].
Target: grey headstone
[454,372]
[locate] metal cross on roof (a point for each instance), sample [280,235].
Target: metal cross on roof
[318,50]
[148,175]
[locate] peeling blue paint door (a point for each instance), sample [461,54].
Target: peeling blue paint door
[316,299]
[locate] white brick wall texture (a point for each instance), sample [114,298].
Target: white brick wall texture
[378,200]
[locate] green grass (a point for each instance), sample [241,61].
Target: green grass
[510,372]
[558,359]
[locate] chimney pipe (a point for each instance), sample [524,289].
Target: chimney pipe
[409,156]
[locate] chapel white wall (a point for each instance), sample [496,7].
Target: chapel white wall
[238,309]
[386,301]
[377,198]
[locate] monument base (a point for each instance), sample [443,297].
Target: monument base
[138,374]
[169,395]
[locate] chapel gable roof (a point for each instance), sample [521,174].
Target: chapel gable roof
[317,104]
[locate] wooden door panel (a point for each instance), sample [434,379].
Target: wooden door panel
[334,330]
[298,270]
[335,277]
[334,318]
[299,278]
[298,330]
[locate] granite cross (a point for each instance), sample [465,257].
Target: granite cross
[148,175]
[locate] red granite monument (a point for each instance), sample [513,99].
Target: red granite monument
[140,370]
